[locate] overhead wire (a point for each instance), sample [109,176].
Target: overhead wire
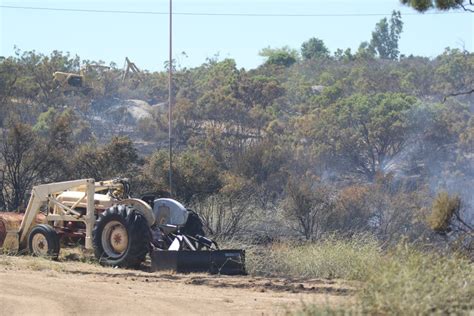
[221,13]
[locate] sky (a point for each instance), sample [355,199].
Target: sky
[143,38]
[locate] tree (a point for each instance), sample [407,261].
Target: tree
[308,204]
[444,5]
[264,164]
[453,74]
[116,159]
[219,100]
[9,75]
[352,210]
[386,35]
[361,133]
[439,132]
[365,51]
[225,214]
[23,161]
[39,69]
[195,174]
[284,56]
[394,209]
[258,94]
[314,48]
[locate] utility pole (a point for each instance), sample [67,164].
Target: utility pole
[170,98]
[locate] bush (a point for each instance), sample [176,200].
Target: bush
[404,281]
[414,282]
[443,209]
[351,259]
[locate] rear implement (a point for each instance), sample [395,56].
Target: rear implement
[179,245]
[228,262]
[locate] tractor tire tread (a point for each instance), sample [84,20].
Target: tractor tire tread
[138,232]
[50,235]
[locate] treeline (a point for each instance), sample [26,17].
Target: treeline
[307,143]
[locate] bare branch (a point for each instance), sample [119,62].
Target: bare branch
[465,8]
[458,93]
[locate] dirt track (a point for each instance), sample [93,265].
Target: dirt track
[37,286]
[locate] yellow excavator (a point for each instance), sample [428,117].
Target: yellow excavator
[73,82]
[76,82]
[131,67]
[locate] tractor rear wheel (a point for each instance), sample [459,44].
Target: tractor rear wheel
[43,241]
[121,237]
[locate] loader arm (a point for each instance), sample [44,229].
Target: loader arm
[45,193]
[115,184]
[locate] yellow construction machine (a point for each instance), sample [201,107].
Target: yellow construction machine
[76,82]
[72,82]
[130,67]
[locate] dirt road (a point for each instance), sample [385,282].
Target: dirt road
[37,286]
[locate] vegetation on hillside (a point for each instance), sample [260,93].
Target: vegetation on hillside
[346,164]
[308,143]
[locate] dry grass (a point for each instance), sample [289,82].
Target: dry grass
[414,282]
[70,259]
[329,258]
[30,263]
[403,281]
[444,206]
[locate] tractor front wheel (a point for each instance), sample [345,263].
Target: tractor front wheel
[121,237]
[43,241]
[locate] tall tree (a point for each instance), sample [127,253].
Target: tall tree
[359,134]
[284,56]
[386,35]
[424,5]
[23,161]
[314,48]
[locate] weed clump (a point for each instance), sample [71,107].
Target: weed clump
[400,281]
[444,207]
[413,282]
[350,259]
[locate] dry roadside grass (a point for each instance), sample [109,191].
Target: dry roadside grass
[334,276]
[83,263]
[403,280]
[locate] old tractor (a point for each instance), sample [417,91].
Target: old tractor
[120,230]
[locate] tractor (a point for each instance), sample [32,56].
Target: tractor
[120,230]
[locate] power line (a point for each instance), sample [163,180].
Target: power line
[222,14]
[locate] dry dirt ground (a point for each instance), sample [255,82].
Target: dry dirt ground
[35,286]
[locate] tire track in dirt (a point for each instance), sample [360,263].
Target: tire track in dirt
[28,287]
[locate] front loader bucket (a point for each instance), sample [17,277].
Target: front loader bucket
[11,244]
[10,223]
[9,226]
[229,262]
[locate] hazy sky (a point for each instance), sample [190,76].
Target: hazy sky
[144,37]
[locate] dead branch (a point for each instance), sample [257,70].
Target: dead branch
[465,8]
[455,94]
